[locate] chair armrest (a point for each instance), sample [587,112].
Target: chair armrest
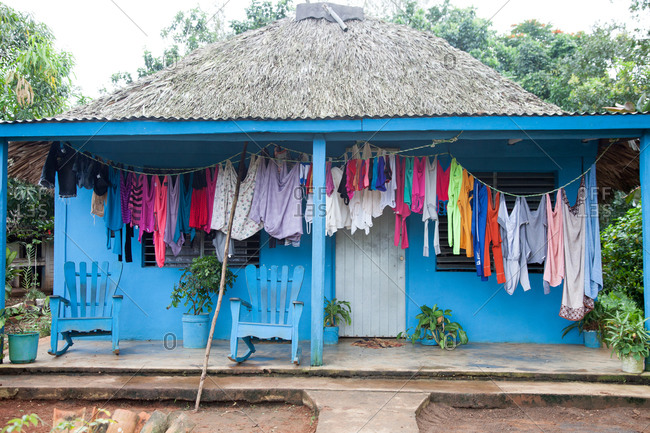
[60,299]
[297,303]
[244,303]
[118,297]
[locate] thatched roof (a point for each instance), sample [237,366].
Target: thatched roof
[26,159]
[312,69]
[619,166]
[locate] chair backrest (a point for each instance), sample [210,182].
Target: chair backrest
[268,288]
[90,291]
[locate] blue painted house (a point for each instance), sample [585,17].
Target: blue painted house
[309,86]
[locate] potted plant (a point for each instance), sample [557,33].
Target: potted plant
[436,328]
[626,335]
[591,326]
[23,340]
[195,288]
[335,311]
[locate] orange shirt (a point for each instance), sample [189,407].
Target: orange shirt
[466,189]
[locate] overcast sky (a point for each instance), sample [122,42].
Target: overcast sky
[106,36]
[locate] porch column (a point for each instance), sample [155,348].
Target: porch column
[318,252]
[644,165]
[3,213]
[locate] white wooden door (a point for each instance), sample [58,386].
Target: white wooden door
[370,274]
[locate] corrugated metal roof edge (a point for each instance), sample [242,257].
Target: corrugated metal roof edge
[202,119]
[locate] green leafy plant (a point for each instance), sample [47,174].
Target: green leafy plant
[622,252]
[626,334]
[10,272]
[336,310]
[17,425]
[435,324]
[197,283]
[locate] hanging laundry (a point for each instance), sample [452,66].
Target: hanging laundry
[198,205]
[337,214]
[379,178]
[126,183]
[372,176]
[101,182]
[113,207]
[388,196]
[430,208]
[160,218]
[408,180]
[147,216]
[276,202]
[60,160]
[513,257]
[442,189]
[418,184]
[184,207]
[85,169]
[364,203]
[173,201]
[575,303]
[479,219]
[219,243]
[206,214]
[533,238]
[329,182]
[465,208]
[135,200]
[593,258]
[97,203]
[453,212]
[199,180]
[402,211]
[493,239]
[342,189]
[242,226]
[554,263]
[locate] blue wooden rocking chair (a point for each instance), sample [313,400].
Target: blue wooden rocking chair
[271,313]
[92,308]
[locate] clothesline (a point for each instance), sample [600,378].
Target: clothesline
[188,170]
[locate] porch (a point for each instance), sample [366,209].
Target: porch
[482,361]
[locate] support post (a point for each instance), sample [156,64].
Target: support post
[318,253]
[644,165]
[4,144]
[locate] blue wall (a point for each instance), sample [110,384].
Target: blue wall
[522,317]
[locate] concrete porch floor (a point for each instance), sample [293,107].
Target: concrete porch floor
[475,360]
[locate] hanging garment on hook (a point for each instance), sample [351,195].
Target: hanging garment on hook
[479,219]
[418,184]
[126,184]
[554,264]
[242,226]
[575,304]
[533,238]
[593,257]
[513,258]
[430,208]
[135,200]
[408,180]
[160,218]
[453,212]
[493,239]
[147,218]
[442,189]
[184,207]
[388,196]
[173,201]
[402,211]
[337,214]
[465,208]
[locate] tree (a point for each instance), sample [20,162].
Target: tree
[34,76]
[188,31]
[261,13]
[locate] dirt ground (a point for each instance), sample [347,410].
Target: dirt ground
[532,419]
[212,418]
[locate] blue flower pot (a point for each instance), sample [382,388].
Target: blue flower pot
[426,339]
[591,339]
[23,347]
[331,335]
[196,329]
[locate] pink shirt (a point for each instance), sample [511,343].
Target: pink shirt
[417,191]
[554,265]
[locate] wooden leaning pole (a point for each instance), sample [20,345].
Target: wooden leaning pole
[224,269]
